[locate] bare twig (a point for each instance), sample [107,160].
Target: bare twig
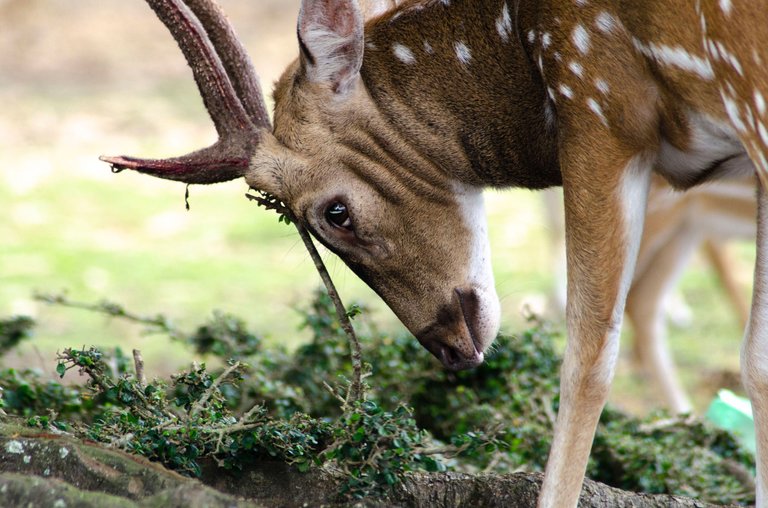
[356,386]
[200,403]
[249,414]
[333,392]
[667,423]
[741,474]
[159,322]
[138,362]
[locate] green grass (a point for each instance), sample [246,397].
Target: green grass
[69,224]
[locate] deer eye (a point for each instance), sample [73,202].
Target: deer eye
[338,216]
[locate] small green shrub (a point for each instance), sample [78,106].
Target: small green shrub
[414,415]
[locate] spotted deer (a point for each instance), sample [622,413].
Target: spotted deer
[386,132]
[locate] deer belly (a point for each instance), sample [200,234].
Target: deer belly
[712,150]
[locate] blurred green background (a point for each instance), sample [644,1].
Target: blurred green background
[81,79]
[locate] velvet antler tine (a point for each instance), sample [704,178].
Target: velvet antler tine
[229,157]
[215,164]
[235,59]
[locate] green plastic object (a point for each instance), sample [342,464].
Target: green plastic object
[731,412]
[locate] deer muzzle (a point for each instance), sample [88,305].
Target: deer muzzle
[461,332]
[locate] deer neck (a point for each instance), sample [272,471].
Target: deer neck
[457,85]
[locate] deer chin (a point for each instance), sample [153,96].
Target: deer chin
[464,328]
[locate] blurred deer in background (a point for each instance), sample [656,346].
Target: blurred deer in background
[385,135]
[677,224]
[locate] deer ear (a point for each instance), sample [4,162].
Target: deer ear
[331,40]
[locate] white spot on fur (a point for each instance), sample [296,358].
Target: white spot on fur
[676,56]
[546,40]
[748,114]
[602,86]
[531,36]
[759,103]
[762,161]
[403,53]
[606,22]
[581,3]
[712,47]
[597,110]
[504,24]
[566,91]
[726,5]
[763,133]
[580,38]
[445,2]
[576,68]
[428,48]
[557,56]
[729,57]
[371,46]
[462,52]
[733,113]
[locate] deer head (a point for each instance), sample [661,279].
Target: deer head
[411,232]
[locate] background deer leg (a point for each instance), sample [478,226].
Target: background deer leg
[604,223]
[718,258]
[754,352]
[645,309]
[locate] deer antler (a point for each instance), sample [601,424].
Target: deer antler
[230,89]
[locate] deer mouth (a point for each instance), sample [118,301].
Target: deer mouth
[453,338]
[452,358]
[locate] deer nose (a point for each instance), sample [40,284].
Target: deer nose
[454,358]
[459,334]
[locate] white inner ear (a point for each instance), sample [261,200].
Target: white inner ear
[332,32]
[333,57]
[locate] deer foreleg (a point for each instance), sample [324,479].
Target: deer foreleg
[604,223]
[754,352]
